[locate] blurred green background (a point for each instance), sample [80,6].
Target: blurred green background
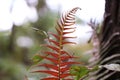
[22,42]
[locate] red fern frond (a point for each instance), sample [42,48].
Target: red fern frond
[66,57]
[50,78]
[65,37]
[50,66]
[53,73]
[56,43]
[68,63]
[65,69]
[52,54]
[55,61]
[55,35]
[53,48]
[58,56]
[68,43]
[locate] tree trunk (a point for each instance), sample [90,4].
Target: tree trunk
[110,41]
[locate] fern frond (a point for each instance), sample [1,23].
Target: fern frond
[58,56]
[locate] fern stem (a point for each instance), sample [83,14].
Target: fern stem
[60,47]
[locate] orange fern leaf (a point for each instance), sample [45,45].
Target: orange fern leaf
[53,73]
[50,66]
[50,78]
[52,54]
[58,56]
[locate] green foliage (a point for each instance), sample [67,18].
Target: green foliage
[10,70]
[36,59]
[81,72]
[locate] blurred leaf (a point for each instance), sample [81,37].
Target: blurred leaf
[36,59]
[79,71]
[41,32]
[112,66]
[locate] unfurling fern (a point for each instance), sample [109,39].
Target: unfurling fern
[58,56]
